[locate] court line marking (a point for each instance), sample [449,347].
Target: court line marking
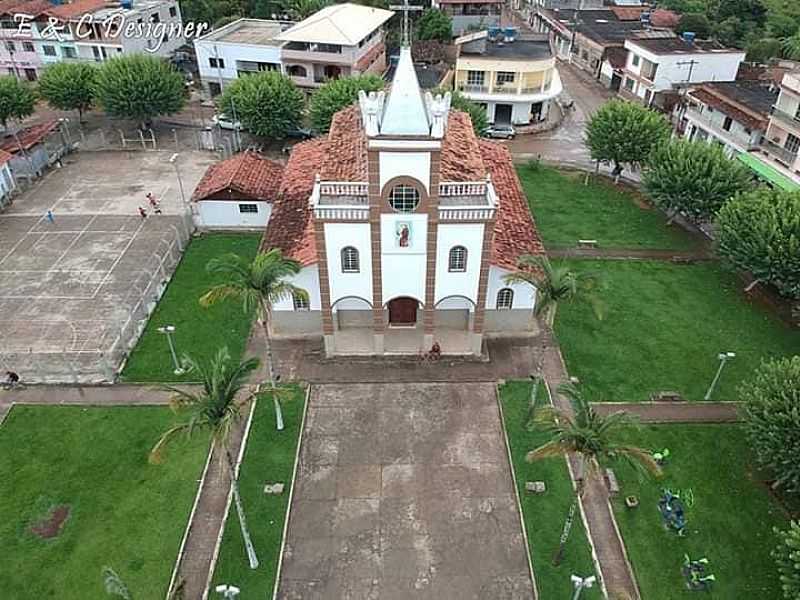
[71,244]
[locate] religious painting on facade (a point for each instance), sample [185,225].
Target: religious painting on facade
[403,234]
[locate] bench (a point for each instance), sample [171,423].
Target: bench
[587,244]
[611,481]
[666,397]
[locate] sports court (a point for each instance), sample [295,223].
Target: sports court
[76,291]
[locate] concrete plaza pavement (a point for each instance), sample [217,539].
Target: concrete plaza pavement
[404,491]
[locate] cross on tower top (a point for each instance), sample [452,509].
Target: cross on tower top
[406,8]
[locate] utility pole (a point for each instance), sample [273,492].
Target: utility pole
[691,64]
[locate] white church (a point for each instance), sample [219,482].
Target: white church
[405,224]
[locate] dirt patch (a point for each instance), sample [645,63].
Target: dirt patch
[51,526]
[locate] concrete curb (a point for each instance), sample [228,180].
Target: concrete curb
[291,494]
[516,492]
[235,474]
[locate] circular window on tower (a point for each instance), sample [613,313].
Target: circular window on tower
[404,198]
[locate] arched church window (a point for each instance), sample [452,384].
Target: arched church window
[300,300]
[458,259]
[505,298]
[404,198]
[350,260]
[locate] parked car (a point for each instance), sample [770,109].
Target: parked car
[502,132]
[300,133]
[225,122]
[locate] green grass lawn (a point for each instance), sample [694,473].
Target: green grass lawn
[269,457]
[124,512]
[567,211]
[199,331]
[730,521]
[544,514]
[663,327]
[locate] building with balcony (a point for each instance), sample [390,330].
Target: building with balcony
[514,78]
[405,224]
[732,114]
[240,48]
[337,41]
[471,15]
[20,48]
[657,68]
[777,159]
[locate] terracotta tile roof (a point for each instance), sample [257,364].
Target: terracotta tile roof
[25,7]
[735,113]
[461,156]
[247,173]
[369,57]
[5,157]
[515,232]
[28,137]
[75,9]
[346,159]
[291,226]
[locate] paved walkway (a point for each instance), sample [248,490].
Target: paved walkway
[675,412]
[404,491]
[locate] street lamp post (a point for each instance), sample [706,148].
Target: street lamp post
[174,162]
[229,592]
[168,330]
[723,358]
[579,583]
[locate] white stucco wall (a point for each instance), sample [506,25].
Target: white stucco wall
[524,295]
[7,183]
[414,164]
[469,235]
[403,269]
[230,53]
[307,279]
[338,236]
[225,213]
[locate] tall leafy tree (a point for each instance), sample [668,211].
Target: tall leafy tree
[258,284]
[624,133]
[434,24]
[772,419]
[216,407]
[791,46]
[477,114]
[759,232]
[593,438]
[338,94]
[267,104]
[301,9]
[17,100]
[69,86]
[697,23]
[554,284]
[694,178]
[787,558]
[139,87]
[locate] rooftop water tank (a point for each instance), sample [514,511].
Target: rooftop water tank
[688,37]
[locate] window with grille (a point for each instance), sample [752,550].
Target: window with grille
[505,298]
[28,47]
[458,259]
[350,260]
[300,301]
[505,77]
[248,208]
[474,77]
[792,143]
[404,198]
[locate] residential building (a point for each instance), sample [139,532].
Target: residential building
[781,145]
[19,52]
[35,148]
[405,224]
[733,114]
[240,48]
[514,77]
[237,193]
[471,15]
[658,67]
[337,41]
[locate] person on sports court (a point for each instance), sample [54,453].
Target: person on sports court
[154,203]
[142,213]
[12,379]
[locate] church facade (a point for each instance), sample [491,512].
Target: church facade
[406,224]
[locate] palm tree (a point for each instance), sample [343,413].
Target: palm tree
[215,408]
[593,438]
[258,284]
[554,284]
[791,46]
[301,9]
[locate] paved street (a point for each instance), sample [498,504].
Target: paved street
[565,143]
[404,491]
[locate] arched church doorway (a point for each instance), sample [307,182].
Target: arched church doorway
[403,311]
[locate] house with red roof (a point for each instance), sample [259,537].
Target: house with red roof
[237,193]
[405,225]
